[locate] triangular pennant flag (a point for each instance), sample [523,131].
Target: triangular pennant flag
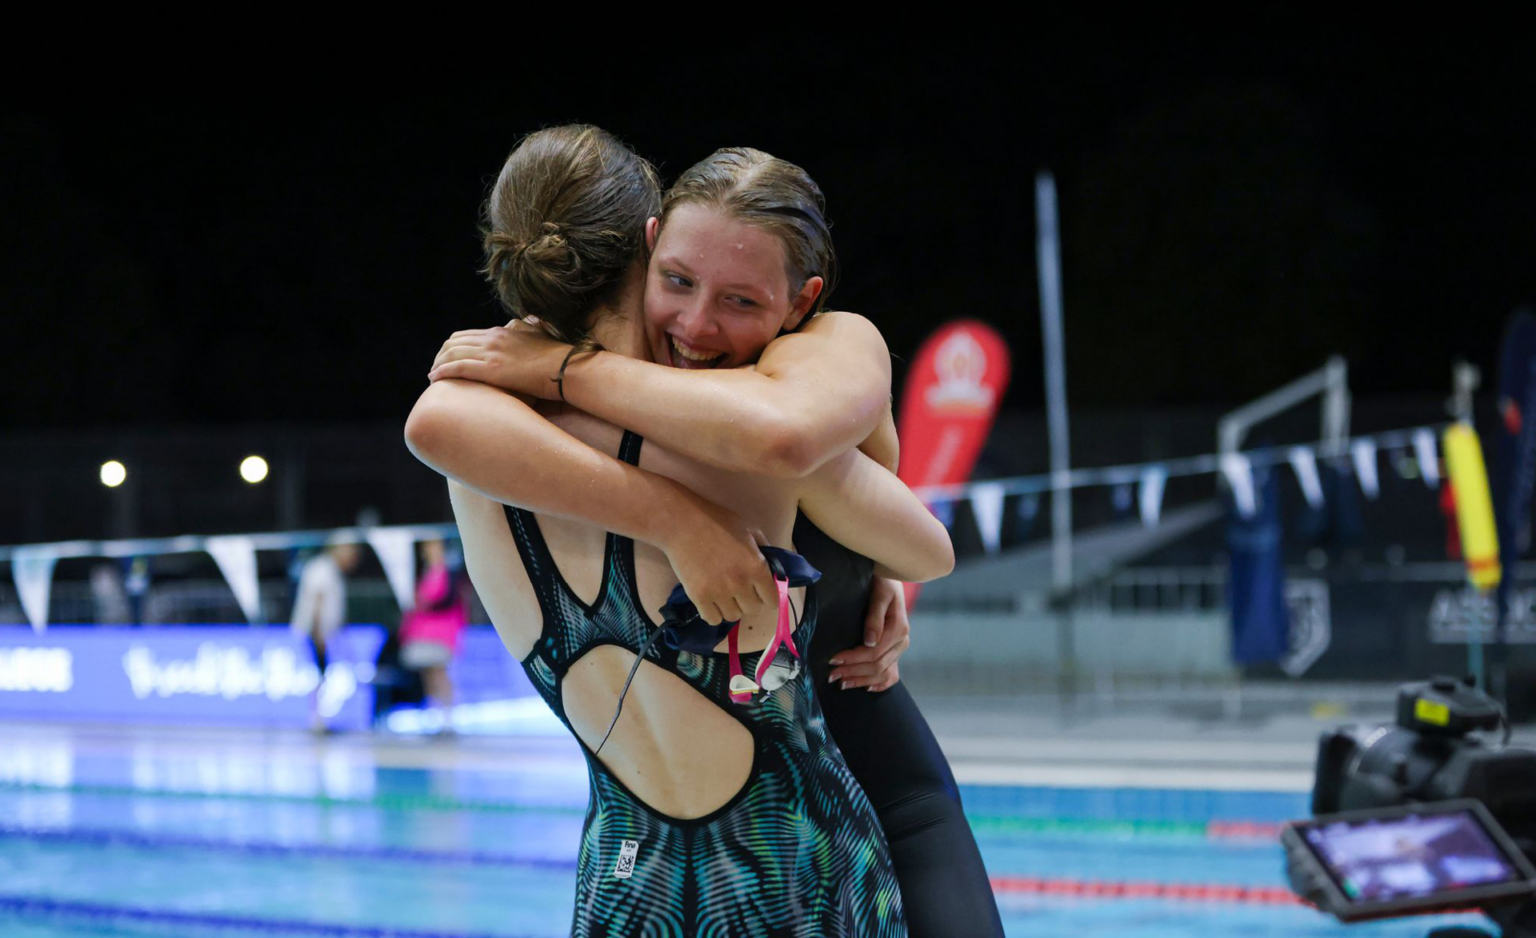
[1363,452]
[32,569]
[1429,457]
[1239,473]
[1304,463]
[236,556]
[1028,507]
[987,506]
[944,511]
[1153,480]
[396,548]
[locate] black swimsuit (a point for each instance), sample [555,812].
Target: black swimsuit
[892,752]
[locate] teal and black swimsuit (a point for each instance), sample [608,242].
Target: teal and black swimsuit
[798,851]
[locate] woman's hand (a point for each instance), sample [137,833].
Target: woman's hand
[887,635]
[715,557]
[521,360]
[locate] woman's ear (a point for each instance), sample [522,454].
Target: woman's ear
[805,301]
[652,229]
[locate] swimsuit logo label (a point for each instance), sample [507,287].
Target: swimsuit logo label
[628,850]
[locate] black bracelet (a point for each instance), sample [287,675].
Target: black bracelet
[560,377]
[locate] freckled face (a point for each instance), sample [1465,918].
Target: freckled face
[716,291]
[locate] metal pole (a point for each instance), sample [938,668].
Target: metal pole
[1048,261]
[1048,257]
[1331,381]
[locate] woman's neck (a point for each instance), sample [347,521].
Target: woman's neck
[619,327]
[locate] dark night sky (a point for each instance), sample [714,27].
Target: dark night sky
[1232,214]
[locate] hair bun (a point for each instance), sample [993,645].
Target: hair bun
[565,224]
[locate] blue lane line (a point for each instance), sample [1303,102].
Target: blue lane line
[41,905]
[112,838]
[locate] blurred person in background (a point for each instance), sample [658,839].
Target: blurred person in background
[320,610]
[136,586]
[108,597]
[429,632]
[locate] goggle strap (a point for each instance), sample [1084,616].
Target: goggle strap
[736,664]
[783,634]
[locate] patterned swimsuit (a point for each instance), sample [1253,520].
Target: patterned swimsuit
[798,851]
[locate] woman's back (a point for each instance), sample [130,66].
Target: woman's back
[707,817]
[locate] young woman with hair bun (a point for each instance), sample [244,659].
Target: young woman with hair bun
[818,385]
[719,804]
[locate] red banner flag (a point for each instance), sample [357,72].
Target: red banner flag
[948,405]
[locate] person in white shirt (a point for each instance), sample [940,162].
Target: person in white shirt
[320,609]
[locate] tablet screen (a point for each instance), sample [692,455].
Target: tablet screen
[1410,856]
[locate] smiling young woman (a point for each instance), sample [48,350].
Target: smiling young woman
[713,811]
[741,261]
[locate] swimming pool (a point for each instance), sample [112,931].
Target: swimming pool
[128,833]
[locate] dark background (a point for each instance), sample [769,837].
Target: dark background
[1234,210]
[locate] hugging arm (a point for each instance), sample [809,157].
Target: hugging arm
[865,508]
[812,395]
[498,446]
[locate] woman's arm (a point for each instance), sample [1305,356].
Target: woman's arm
[871,512]
[882,446]
[495,444]
[812,395]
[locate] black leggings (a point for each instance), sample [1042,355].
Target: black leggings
[896,760]
[893,754]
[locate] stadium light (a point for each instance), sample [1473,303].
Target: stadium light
[113,473]
[253,469]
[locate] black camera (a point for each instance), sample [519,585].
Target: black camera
[1429,757]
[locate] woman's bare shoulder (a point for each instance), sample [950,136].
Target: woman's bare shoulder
[842,331]
[842,321]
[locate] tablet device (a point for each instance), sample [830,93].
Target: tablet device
[1408,860]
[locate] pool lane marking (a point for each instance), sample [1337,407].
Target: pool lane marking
[384,802]
[1162,778]
[1211,830]
[1181,892]
[42,905]
[102,837]
[107,837]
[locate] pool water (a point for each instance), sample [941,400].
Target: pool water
[110,834]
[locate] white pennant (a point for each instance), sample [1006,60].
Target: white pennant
[1429,457]
[1304,464]
[1239,473]
[1363,452]
[236,556]
[1153,481]
[396,548]
[987,506]
[32,569]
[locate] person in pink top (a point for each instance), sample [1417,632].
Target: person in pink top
[429,633]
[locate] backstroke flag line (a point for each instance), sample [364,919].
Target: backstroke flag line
[236,557]
[1304,464]
[948,405]
[1153,481]
[987,506]
[32,570]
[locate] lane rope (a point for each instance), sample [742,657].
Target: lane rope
[992,823]
[1182,892]
[103,837]
[26,905]
[384,802]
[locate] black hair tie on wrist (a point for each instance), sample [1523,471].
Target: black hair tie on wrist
[560,377]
